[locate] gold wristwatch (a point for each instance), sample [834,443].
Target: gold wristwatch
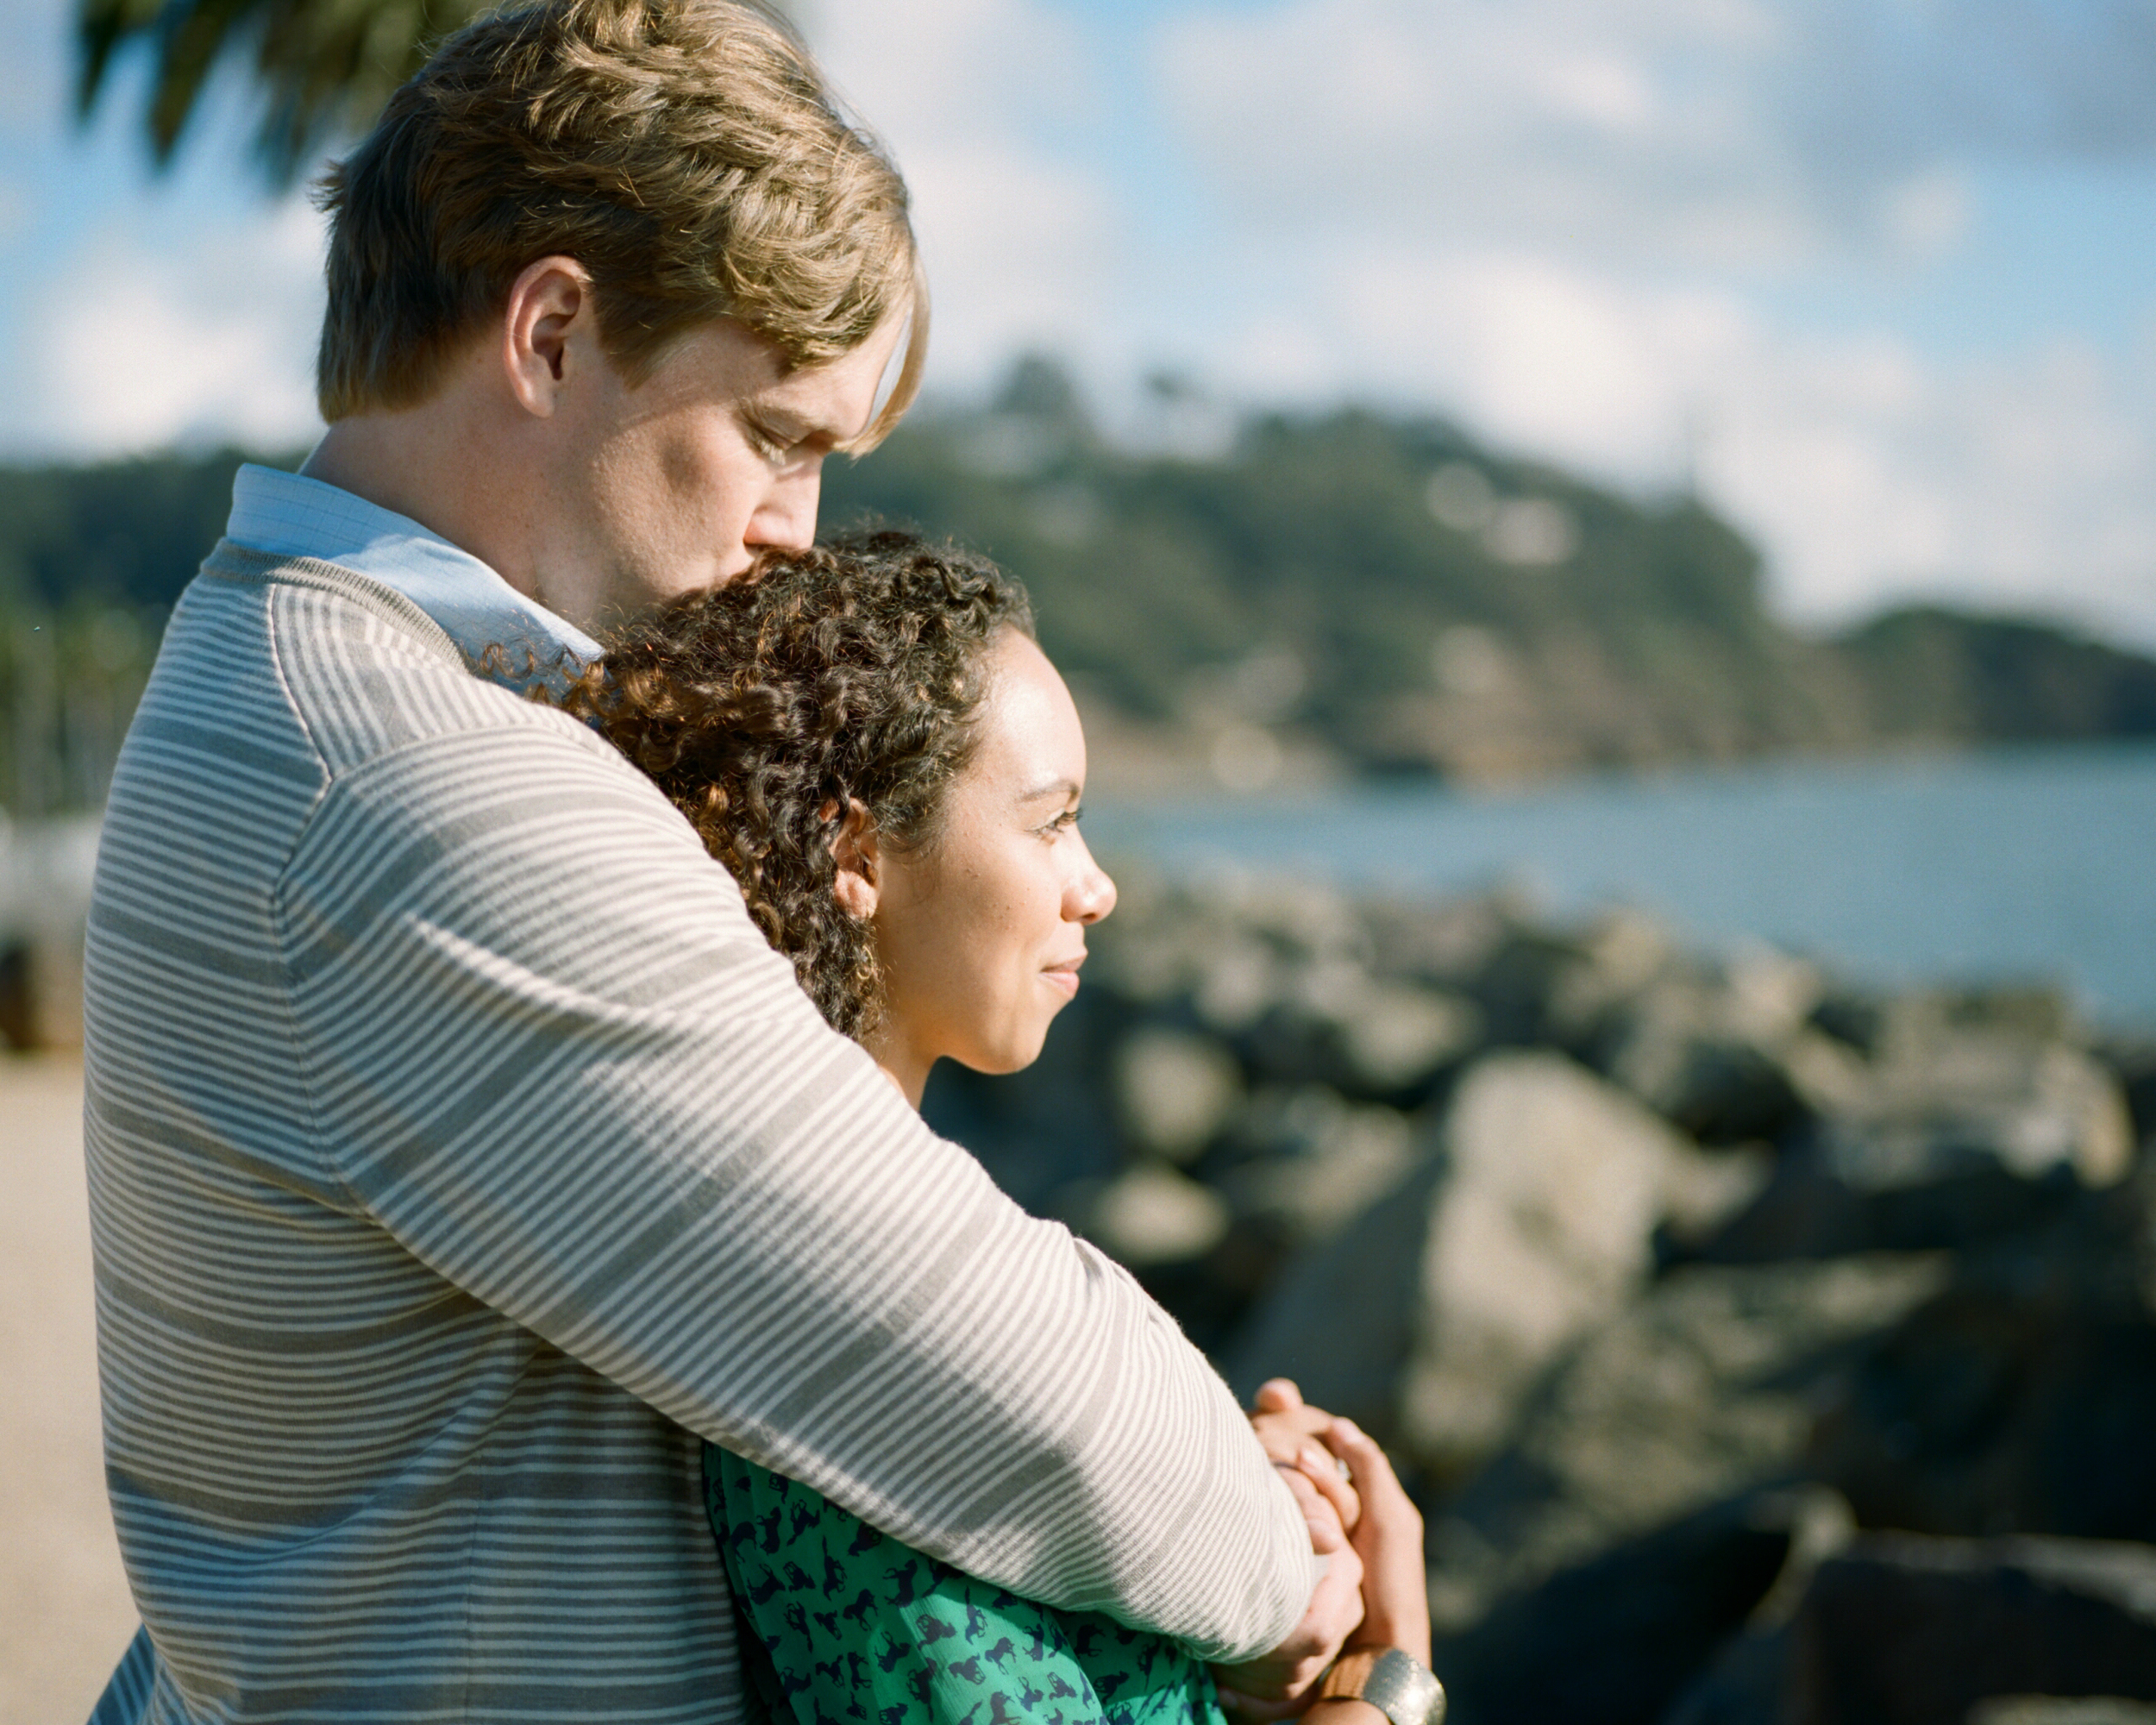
[1397,1684]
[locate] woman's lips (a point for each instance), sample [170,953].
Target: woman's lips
[1065,975]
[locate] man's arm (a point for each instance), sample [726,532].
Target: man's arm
[549,1052]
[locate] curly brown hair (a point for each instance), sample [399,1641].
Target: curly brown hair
[849,673]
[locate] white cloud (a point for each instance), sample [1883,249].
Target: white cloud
[1721,132]
[1021,237]
[2025,484]
[1578,224]
[138,344]
[1628,126]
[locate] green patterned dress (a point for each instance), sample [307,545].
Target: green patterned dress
[859,1627]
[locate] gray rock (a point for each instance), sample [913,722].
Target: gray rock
[1320,1161]
[2132,1061]
[1872,1022]
[1174,1091]
[1618,1638]
[1528,1219]
[1447,944]
[1239,981]
[1391,1039]
[1707,1387]
[1720,1089]
[1714,1048]
[2022,1398]
[2051,1709]
[1970,1095]
[1952,1136]
[1743,1685]
[1903,1629]
[1149,1215]
[1547,985]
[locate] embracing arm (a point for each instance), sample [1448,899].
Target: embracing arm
[550,1055]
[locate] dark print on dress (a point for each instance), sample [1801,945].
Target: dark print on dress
[862,1630]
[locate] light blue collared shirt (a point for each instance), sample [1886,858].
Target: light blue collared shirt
[288,515]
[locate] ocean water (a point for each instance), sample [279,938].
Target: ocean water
[2027,864]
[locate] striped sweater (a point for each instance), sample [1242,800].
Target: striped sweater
[459,1154]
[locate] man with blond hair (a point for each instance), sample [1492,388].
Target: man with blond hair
[459,1154]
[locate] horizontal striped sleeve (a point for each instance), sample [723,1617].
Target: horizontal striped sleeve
[548,1052]
[459,1153]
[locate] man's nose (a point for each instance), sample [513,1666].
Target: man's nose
[786,519]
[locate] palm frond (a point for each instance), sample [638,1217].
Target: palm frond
[323,68]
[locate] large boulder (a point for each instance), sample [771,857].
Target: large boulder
[1391,1039]
[1904,1629]
[1706,1388]
[1541,984]
[1617,1638]
[1528,1217]
[2022,1397]
[1307,1161]
[1719,1048]
[1149,1215]
[1174,1090]
[2132,1061]
[1336,1021]
[1948,1134]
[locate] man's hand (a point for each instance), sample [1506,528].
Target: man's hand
[1276,1684]
[1291,1429]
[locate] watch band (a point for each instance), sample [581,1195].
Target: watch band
[1397,1684]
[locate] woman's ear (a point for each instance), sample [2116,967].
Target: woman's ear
[854,849]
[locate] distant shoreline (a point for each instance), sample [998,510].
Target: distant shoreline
[1911,868]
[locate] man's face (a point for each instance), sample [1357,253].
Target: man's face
[677,483]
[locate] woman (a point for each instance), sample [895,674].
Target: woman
[868,737]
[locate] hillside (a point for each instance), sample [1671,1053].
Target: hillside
[1347,592]
[1389,595]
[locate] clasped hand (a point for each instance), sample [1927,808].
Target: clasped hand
[1373,1593]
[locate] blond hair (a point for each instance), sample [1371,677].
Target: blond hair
[686,152]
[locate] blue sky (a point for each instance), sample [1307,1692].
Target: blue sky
[1882,273]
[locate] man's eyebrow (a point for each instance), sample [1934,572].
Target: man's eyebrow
[1063,788]
[793,425]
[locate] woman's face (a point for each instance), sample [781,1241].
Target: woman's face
[979,936]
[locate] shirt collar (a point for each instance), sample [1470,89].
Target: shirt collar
[288,515]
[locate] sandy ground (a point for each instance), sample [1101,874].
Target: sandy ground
[65,1613]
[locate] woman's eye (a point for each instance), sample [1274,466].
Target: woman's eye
[1063,824]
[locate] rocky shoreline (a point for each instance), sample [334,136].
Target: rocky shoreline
[1764,1350]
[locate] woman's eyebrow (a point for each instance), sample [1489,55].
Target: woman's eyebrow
[1063,789]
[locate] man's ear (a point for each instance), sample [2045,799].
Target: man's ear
[552,313]
[860,877]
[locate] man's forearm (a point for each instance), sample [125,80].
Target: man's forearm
[605,1109]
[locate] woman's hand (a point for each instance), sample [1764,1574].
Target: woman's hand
[1395,1584]
[1389,1540]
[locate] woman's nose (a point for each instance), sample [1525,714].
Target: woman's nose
[1091,894]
